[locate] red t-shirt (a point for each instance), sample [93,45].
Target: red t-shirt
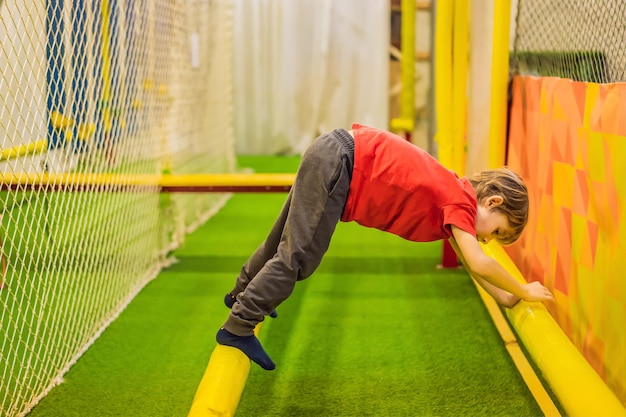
[399,188]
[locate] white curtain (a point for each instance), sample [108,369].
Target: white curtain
[304,67]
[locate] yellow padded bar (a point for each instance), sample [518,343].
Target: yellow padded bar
[579,388]
[168,183]
[223,382]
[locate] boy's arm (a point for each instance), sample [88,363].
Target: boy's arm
[482,266]
[504,298]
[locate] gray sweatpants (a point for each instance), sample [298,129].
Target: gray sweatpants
[300,236]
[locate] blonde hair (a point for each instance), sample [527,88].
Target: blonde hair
[507,184]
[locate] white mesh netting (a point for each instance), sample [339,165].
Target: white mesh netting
[128,87]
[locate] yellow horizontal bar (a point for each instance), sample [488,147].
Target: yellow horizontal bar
[228,179]
[187,180]
[579,388]
[59,120]
[406,125]
[23,150]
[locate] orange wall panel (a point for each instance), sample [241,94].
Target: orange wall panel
[568,140]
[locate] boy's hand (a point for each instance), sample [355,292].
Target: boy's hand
[537,292]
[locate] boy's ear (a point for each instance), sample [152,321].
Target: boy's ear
[493,201]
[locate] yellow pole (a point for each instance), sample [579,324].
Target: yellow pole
[188,180]
[459,85]
[223,382]
[578,387]
[406,121]
[443,81]
[23,150]
[499,82]
[444,18]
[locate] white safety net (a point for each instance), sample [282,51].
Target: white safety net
[114,87]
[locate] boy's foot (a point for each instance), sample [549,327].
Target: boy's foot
[249,345]
[230,299]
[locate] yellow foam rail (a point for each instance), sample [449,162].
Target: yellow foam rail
[138,182]
[223,382]
[579,389]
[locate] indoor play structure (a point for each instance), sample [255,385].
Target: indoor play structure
[119,127]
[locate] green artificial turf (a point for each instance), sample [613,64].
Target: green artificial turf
[378,330]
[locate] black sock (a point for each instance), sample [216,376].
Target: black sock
[249,345]
[230,300]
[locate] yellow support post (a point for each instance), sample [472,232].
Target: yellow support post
[406,121]
[460,50]
[444,19]
[443,81]
[499,82]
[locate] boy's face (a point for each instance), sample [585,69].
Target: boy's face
[491,223]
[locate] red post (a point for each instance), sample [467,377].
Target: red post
[449,259]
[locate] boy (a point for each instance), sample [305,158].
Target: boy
[378,180]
